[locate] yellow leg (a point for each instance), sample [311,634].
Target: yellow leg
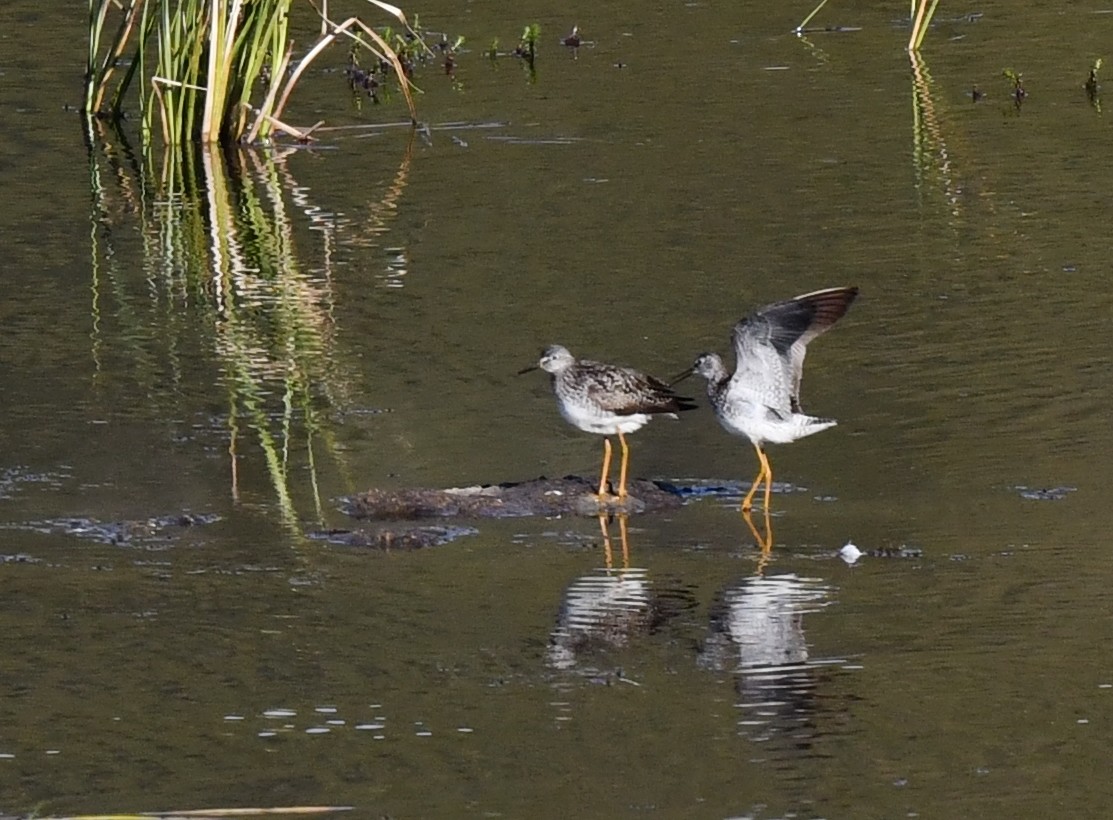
[748,501]
[768,481]
[606,468]
[625,462]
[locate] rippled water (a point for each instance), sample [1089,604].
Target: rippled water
[195,374]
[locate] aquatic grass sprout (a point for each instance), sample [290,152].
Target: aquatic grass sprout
[214,70]
[1018,92]
[1092,86]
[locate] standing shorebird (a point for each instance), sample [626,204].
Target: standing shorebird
[761,400]
[606,399]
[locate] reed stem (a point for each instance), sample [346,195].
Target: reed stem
[201,64]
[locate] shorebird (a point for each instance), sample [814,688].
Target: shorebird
[607,399]
[761,399]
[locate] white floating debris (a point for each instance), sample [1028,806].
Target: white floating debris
[318,730]
[279,713]
[326,710]
[233,717]
[850,553]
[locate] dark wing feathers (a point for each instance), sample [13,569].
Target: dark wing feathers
[783,324]
[625,391]
[787,327]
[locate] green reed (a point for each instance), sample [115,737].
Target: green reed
[800,28]
[211,70]
[920,15]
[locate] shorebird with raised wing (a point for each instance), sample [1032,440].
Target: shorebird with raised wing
[761,399]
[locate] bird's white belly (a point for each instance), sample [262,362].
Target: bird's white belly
[759,425]
[743,418]
[591,420]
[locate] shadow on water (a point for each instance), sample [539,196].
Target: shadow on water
[224,281]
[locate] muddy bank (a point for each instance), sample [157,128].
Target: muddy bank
[547,497]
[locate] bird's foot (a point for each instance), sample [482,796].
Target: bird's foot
[612,499]
[613,503]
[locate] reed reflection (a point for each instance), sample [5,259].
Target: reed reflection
[224,279]
[933,162]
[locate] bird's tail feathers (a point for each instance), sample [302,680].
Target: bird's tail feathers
[807,425]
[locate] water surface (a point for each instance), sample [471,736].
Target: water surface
[353,315]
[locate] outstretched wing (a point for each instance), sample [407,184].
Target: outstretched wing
[770,343]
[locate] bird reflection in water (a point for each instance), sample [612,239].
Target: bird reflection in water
[606,612]
[757,634]
[604,609]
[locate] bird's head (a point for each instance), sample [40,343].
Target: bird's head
[710,366]
[554,359]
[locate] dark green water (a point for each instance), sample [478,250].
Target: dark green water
[354,316]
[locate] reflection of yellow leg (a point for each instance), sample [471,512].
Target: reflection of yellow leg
[625,462]
[763,542]
[748,501]
[606,540]
[766,546]
[758,538]
[624,535]
[606,468]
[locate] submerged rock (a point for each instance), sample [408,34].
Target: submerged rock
[149,531]
[571,495]
[395,538]
[1044,493]
[18,558]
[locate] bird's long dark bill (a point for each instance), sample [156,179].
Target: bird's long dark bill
[529,369]
[679,377]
